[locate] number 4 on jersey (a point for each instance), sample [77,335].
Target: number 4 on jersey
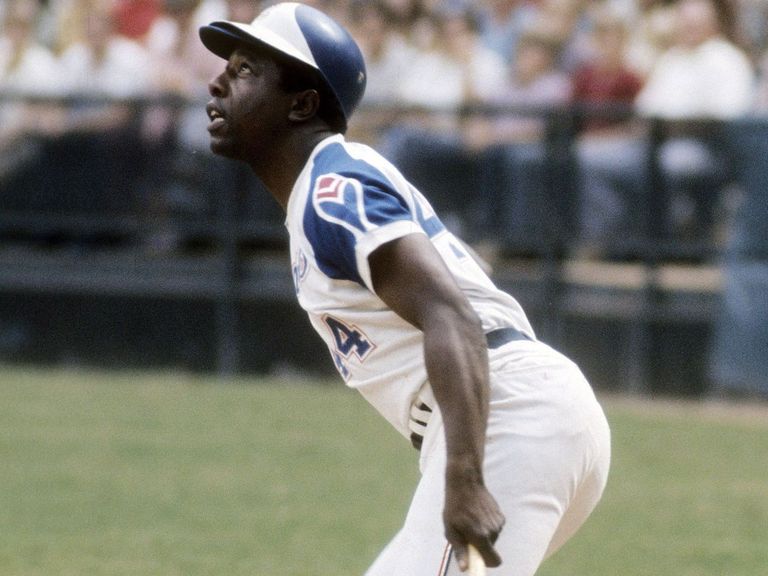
[348,340]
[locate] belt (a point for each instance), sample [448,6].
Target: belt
[497,338]
[421,412]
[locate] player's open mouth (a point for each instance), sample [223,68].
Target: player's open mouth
[216,117]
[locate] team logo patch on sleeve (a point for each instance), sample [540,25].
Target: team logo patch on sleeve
[330,188]
[340,201]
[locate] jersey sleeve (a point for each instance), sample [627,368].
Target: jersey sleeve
[347,218]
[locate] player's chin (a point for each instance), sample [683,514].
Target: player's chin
[222,147]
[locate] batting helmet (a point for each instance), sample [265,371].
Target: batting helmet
[302,33]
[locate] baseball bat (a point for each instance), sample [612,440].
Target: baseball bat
[476,562]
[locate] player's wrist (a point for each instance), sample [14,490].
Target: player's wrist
[463,471]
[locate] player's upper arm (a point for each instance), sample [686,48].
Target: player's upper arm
[409,275]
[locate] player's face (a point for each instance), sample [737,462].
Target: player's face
[248,108]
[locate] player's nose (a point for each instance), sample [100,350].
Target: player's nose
[216,87]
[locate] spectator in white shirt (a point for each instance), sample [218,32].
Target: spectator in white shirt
[387,54]
[27,69]
[703,76]
[455,72]
[105,63]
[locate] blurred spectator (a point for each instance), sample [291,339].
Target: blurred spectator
[456,71]
[27,70]
[412,20]
[180,67]
[69,23]
[704,76]
[502,23]
[235,10]
[738,364]
[760,105]
[568,22]
[387,54]
[27,67]
[134,18]
[511,148]
[751,23]
[96,157]
[26,64]
[608,144]
[534,81]
[605,79]
[104,64]
[173,125]
[651,33]
[339,10]
[700,78]
[178,179]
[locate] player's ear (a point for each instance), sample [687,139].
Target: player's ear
[305,105]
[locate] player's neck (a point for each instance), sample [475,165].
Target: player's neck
[280,172]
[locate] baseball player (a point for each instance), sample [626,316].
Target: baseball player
[509,431]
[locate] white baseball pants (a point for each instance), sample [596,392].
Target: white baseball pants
[546,462]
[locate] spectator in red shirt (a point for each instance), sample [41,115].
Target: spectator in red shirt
[134,18]
[606,80]
[608,145]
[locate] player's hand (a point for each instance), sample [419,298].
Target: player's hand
[472,516]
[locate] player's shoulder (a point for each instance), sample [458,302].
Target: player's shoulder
[350,191]
[354,161]
[354,175]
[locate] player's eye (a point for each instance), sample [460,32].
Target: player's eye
[244,68]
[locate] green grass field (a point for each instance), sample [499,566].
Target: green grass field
[167,474]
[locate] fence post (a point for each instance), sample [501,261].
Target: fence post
[639,345]
[558,140]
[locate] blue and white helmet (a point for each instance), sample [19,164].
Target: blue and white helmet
[304,34]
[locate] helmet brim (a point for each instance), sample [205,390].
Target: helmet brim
[223,38]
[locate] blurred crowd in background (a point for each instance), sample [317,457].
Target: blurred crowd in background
[420,52]
[677,60]
[505,113]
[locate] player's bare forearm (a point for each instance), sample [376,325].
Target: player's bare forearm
[457,365]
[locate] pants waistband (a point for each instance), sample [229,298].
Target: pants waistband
[421,412]
[497,338]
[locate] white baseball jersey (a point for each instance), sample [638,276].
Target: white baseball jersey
[348,201]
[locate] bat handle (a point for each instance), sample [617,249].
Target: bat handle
[476,562]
